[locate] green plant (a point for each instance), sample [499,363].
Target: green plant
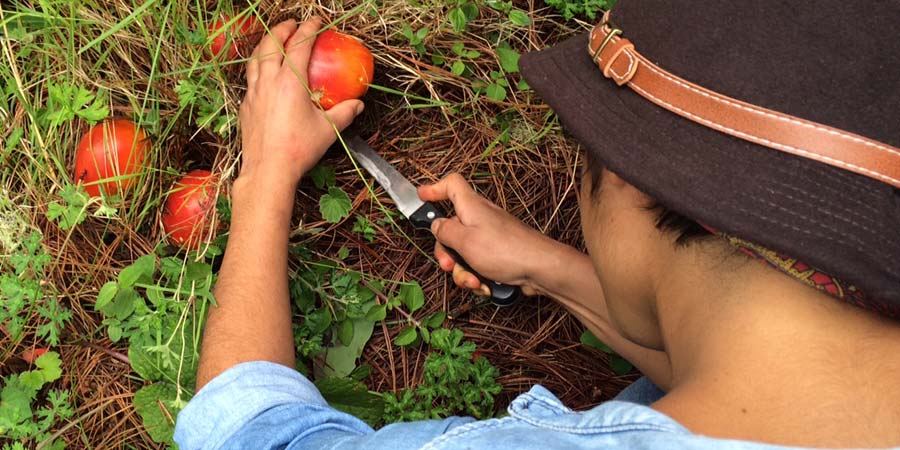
[459,67]
[12,141]
[334,307]
[519,18]
[590,8]
[415,38]
[204,100]
[618,364]
[72,207]
[496,88]
[18,418]
[351,396]
[516,16]
[335,204]
[413,298]
[462,14]
[509,58]
[337,310]
[158,404]
[68,101]
[365,228]
[71,210]
[158,306]
[454,381]
[323,176]
[24,292]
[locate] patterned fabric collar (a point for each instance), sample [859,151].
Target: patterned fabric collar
[801,271]
[809,275]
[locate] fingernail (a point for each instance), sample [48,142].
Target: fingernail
[435,225]
[360,107]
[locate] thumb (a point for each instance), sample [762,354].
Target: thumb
[344,112]
[450,232]
[453,187]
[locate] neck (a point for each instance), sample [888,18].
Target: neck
[756,355]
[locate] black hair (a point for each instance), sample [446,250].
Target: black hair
[667,220]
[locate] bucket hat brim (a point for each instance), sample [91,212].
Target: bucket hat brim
[836,221]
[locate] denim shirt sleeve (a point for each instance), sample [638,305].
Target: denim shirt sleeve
[264,405]
[261,405]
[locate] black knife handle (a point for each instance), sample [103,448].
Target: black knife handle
[501,294]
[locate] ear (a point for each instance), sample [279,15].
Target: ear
[613,179]
[614,182]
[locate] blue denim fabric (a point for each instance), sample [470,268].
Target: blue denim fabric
[642,392]
[260,405]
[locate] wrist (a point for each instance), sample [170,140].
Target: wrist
[263,192]
[554,267]
[257,181]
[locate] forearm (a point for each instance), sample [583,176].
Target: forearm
[284,134]
[252,320]
[568,276]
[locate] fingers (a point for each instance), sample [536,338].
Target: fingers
[444,259]
[465,279]
[253,70]
[450,232]
[462,278]
[344,112]
[271,48]
[299,47]
[453,230]
[296,46]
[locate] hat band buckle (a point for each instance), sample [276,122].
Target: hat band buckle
[619,60]
[613,31]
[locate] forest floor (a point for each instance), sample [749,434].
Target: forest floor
[95,282]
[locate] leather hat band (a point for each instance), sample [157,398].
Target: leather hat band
[618,60]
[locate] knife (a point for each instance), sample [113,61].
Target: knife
[419,212]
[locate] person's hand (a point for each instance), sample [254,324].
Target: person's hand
[284,132]
[492,241]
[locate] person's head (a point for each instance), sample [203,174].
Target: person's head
[808,213]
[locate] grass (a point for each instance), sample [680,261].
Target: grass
[431,111]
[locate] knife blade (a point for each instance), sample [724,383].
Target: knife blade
[419,212]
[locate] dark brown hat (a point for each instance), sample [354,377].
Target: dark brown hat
[829,62]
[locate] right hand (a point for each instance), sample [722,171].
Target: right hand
[284,132]
[492,241]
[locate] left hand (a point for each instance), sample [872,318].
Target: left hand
[284,132]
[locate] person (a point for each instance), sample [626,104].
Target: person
[752,277]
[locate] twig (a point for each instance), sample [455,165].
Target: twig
[109,352]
